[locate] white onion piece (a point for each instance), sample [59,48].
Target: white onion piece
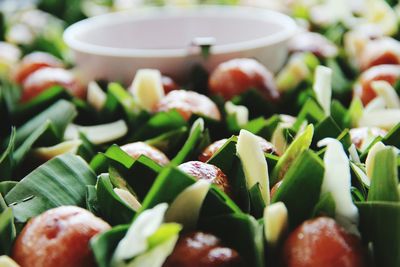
[322,88]
[337,181]
[387,92]
[128,198]
[275,221]
[147,88]
[385,118]
[255,166]
[98,134]
[240,112]
[185,209]
[95,96]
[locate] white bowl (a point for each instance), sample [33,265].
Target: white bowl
[114,46]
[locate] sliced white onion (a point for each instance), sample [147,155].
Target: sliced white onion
[6,261]
[385,118]
[240,112]
[98,134]
[275,222]
[387,92]
[353,154]
[95,96]
[278,139]
[147,88]
[322,88]
[254,163]
[185,209]
[135,240]
[128,198]
[337,181]
[364,178]
[47,153]
[379,12]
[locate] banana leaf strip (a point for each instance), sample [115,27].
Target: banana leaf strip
[60,181]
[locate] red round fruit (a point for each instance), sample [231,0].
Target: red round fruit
[34,61]
[237,76]
[322,242]
[363,89]
[44,78]
[188,103]
[359,135]
[313,42]
[209,151]
[199,249]
[208,172]
[383,51]
[136,149]
[169,84]
[58,237]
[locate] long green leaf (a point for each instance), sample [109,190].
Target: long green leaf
[60,181]
[379,224]
[384,178]
[301,187]
[60,114]
[7,230]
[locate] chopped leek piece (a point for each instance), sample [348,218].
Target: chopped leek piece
[276,222]
[323,88]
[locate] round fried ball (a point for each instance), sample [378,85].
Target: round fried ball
[198,249]
[44,78]
[209,151]
[239,75]
[136,149]
[313,42]
[322,242]
[208,172]
[58,237]
[188,103]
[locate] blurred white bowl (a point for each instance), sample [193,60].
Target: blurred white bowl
[114,46]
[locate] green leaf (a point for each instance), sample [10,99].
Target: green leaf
[262,127]
[326,206]
[91,199]
[324,129]
[104,244]
[171,141]
[125,99]
[384,178]
[392,138]
[248,237]
[299,144]
[6,159]
[301,187]
[111,207]
[171,182]
[379,224]
[158,124]
[60,114]
[311,112]
[7,230]
[6,186]
[190,147]
[60,181]
[257,203]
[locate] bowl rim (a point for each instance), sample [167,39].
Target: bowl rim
[70,34]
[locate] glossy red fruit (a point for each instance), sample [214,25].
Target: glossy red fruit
[209,151]
[34,61]
[208,172]
[380,52]
[136,149]
[363,89]
[359,135]
[199,249]
[45,78]
[313,42]
[188,103]
[237,76]
[58,238]
[169,84]
[322,242]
